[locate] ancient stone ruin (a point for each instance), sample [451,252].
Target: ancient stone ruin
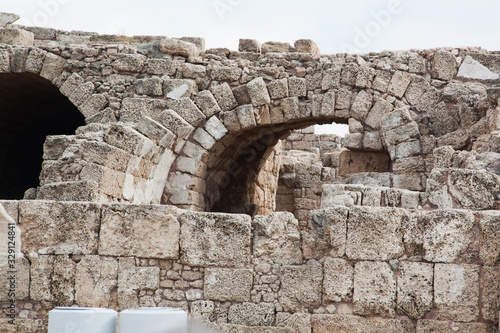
[147,171]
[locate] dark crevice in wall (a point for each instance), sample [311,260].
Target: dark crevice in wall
[30,109]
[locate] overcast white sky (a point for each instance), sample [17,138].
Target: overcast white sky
[355,26]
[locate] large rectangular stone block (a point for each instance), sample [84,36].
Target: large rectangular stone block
[96,280]
[301,287]
[214,239]
[338,281]
[374,233]
[354,324]
[227,284]
[50,227]
[415,294]
[148,231]
[132,279]
[328,237]
[252,314]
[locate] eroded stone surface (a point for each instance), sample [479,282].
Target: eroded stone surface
[355,324]
[415,289]
[223,284]
[301,286]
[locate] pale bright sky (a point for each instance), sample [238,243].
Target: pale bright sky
[354,26]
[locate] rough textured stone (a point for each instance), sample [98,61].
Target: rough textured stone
[490,296]
[301,287]
[399,83]
[431,326]
[276,239]
[178,47]
[8,18]
[338,281]
[225,284]
[96,280]
[16,37]
[142,231]
[328,236]
[275,47]
[249,45]
[374,289]
[14,277]
[354,324]
[374,233]
[415,289]
[69,227]
[251,314]
[444,66]
[456,292]
[489,241]
[301,322]
[447,234]
[258,92]
[132,279]
[306,46]
[211,239]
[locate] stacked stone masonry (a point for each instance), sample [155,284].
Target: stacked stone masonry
[197,182]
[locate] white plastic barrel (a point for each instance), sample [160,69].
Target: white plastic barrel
[82,320]
[153,320]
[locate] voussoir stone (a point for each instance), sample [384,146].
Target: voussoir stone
[142,231]
[215,239]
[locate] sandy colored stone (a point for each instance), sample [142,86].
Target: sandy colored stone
[132,279]
[436,326]
[456,292]
[213,239]
[14,277]
[226,284]
[251,314]
[414,292]
[374,289]
[230,328]
[258,92]
[96,280]
[178,47]
[301,287]
[299,321]
[142,231]
[490,301]
[374,233]
[447,234]
[489,251]
[50,227]
[444,66]
[338,280]
[355,162]
[16,37]
[355,324]
[328,237]
[276,238]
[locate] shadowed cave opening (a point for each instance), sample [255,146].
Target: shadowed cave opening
[30,109]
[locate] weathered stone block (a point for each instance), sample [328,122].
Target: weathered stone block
[301,287]
[59,227]
[52,279]
[14,277]
[489,251]
[331,78]
[355,324]
[140,231]
[306,46]
[251,314]
[186,108]
[415,294]
[226,284]
[129,63]
[328,233]
[178,47]
[374,289]
[132,279]
[205,100]
[444,66]
[301,322]
[277,238]
[366,222]
[474,189]
[224,96]
[16,37]
[258,92]
[490,300]
[456,292]
[437,326]
[177,89]
[96,280]
[376,113]
[361,105]
[297,87]
[399,83]
[338,281]
[231,328]
[278,89]
[246,117]
[249,45]
[447,234]
[211,239]
[275,47]
[225,73]
[53,66]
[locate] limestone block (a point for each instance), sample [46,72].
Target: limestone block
[205,100]
[431,326]
[338,281]
[489,241]
[96,280]
[353,141]
[349,74]
[374,289]
[376,113]
[278,88]
[129,140]
[331,78]
[16,37]
[140,231]
[59,227]
[212,239]
[242,95]
[249,45]
[372,141]
[177,89]
[178,47]
[474,189]
[193,71]
[406,149]
[52,279]
[490,300]
[328,233]
[132,279]
[226,284]
[186,108]
[7,19]
[69,191]
[197,41]
[399,83]
[175,123]
[226,73]
[130,63]
[93,105]
[152,87]
[361,105]
[155,131]
[231,328]
[14,277]
[71,84]
[161,66]
[4,62]
[444,66]
[251,314]
[416,89]
[34,61]
[18,59]
[354,324]
[306,46]
[396,118]
[447,234]
[224,96]
[297,87]
[456,292]
[276,238]
[203,138]
[301,322]
[415,293]
[401,134]
[246,117]
[275,47]
[301,287]
[53,66]
[374,233]
[336,195]
[81,93]
[370,179]
[258,92]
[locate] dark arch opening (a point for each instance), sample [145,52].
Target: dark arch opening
[30,109]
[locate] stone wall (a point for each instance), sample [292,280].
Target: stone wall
[376,268]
